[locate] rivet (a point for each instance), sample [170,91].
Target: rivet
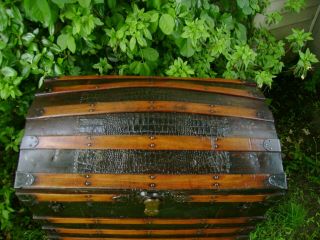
[152,177]
[216,177]
[87,183]
[216,146]
[89,144]
[152,137]
[87,176]
[152,145]
[152,185]
[216,185]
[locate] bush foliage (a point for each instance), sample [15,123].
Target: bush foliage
[44,38]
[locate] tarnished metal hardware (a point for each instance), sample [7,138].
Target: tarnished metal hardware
[28,199]
[56,206]
[278,181]
[271,145]
[151,201]
[38,112]
[151,206]
[121,198]
[181,198]
[29,142]
[24,179]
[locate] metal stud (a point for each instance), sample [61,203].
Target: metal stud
[152,145]
[216,185]
[216,177]
[152,177]
[87,183]
[152,185]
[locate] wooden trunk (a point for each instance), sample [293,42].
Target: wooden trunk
[107,157]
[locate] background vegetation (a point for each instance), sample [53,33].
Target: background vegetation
[43,38]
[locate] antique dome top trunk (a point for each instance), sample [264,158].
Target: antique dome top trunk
[107,157]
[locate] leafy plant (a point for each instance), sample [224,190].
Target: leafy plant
[45,38]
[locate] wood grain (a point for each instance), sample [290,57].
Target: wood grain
[167,238]
[133,232]
[147,106]
[83,197]
[149,182]
[143,142]
[141,221]
[157,84]
[118,77]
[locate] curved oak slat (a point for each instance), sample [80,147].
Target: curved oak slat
[146,106]
[117,77]
[81,197]
[146,181]
[158,84]
[159,142]
[142,221]
[225,230]
[167,238]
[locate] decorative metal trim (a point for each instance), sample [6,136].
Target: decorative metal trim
[23,179]
[27,199]
[278,181]
[56,206]
[271,145]
[29,142]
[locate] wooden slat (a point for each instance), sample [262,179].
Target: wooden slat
[142,142]
[167,238]
[117,77]
[141,221]
[83,197]
[147,106]
[144,181]
[134,232]
[158,84]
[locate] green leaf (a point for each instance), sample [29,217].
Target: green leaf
[61,3]
[112,4]
[40,11]
[3,19]
[186,47]
[150,54]
[241,32]
[242,3]
[71,43]
[132,43]
[166,24]
[84,3]
[8,72]
[62,41]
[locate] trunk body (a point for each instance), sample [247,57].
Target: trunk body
[106,157]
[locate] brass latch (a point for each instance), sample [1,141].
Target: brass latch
[151,207]
[151,202]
